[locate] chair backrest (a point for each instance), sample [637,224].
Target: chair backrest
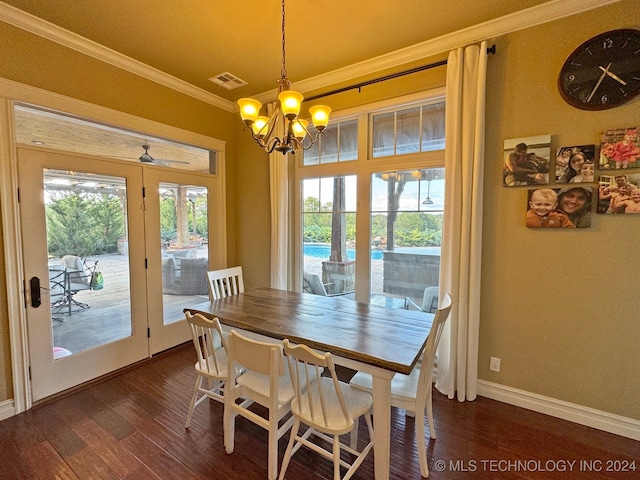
[225,282]
[313,283]
[312,390]
[260,357]
[430,299]
[429,355]
[57,281]
[76,270]
[208,341]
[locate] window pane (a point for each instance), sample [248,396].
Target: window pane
[433,127]
[329,235]
[405,235]
[383,135]
[349,140]
[408,127]
[184,253]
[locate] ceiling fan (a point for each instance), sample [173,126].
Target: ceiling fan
[146,158]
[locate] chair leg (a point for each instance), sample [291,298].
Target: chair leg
[288,453]
[420,440]
[229,419]
[273,446]
[432,430]
[192,405]
[353,435]
[336,457]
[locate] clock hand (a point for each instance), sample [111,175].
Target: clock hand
[604,74]
[614,76]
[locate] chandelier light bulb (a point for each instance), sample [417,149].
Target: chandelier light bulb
[290,101]
[249,109]
[259,126]
[320,116]
[300,128]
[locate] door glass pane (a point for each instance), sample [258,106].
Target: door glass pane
[184,251]
[406,230]
[88,259]
[329,221]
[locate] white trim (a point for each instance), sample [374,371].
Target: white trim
[590,417]
[539,14]
[7,409]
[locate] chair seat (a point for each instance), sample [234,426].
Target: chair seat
[403,387]
[261,383]
[357,401]
[221,361]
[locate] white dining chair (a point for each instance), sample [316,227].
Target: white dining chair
[413,392]
[211,363]
[327,406]
[266,382]
[225,282]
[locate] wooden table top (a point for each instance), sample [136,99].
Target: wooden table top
[390,339]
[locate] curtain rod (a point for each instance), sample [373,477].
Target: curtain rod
[490,50]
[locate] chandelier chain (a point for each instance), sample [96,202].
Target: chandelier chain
[283,72]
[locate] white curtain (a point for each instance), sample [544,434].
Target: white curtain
[279,196]
[462,232]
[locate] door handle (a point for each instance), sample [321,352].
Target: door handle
[36,300]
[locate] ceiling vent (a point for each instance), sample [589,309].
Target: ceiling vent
[228,81]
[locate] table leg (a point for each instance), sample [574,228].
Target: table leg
[382,424]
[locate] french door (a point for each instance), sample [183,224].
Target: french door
[85,218]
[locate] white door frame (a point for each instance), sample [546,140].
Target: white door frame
[11,92]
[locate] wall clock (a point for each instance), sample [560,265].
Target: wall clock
[603,72]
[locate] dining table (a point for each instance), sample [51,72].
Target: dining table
[359,336]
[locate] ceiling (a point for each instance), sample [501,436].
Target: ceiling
[183,44]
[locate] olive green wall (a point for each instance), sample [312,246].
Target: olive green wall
[559,308]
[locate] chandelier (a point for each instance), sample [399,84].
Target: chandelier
[294,131]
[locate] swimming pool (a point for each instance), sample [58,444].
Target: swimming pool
[322,250]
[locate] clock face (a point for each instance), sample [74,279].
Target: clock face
[603,72]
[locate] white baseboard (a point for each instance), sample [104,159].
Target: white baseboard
[7,409]
[590,417]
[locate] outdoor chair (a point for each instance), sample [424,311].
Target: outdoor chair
[78,278]
[225,282]
[413,392]
[429,301]
[329,408]
[313,284]
[57,290]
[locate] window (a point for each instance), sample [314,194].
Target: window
[371,227]
[338,143]
[409,130]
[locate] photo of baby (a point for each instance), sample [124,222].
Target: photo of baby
[568,207]
[526,161]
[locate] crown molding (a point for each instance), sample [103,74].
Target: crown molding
[54,33]
[546,12]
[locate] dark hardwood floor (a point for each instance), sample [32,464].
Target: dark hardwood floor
[131,426]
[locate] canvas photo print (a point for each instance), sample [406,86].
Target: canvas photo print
[568,207]
[619,193]
[620,148]
[575,164]
[526,161]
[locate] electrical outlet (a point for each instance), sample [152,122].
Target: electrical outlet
[494,364]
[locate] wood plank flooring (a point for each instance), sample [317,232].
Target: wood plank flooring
[131,426]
